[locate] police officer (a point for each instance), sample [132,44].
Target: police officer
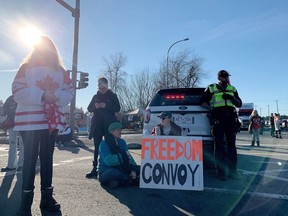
[221,99]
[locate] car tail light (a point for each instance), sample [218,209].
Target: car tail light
[174,96]
[147,115]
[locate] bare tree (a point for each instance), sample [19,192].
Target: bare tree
[140,90]
[127,100]
[114,73]
[161,79]
[145,86]
[184,70]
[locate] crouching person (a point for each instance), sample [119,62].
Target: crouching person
[116,166]
[64,135]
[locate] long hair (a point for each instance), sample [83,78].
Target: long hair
[44,53]
[254,113]
[111,142]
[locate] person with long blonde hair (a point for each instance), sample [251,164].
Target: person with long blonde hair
[41,88]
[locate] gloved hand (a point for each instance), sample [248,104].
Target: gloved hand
[227,96]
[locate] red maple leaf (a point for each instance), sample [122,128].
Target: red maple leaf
[47,83]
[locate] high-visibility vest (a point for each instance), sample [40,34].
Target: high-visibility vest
[217,99]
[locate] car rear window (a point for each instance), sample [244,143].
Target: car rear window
[182,96]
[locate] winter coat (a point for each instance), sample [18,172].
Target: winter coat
[103,117]
[28,88]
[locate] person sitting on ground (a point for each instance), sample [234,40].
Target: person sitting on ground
[65,135]
[166,127]
[116,166]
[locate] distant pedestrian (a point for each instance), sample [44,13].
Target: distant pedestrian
[41,89]
[272,125]
[116,165]
[221,99]
[104,106]
[166,127]
[277,122]
[255,120]
[9,108]
[64,135]
[262,125]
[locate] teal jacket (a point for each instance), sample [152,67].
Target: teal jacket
[107,160]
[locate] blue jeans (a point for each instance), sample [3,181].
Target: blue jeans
[255,135]
[113,174]
[15,139]
[38,142]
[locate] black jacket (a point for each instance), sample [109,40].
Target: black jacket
[103,116]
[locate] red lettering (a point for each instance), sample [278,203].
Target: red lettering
[170,149]
[188,150]
[162,149]
[179,150]
[197,150]
[144,147]
[154,150]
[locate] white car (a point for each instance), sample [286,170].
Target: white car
[184,104]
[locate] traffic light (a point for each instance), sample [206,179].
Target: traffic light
[83,82]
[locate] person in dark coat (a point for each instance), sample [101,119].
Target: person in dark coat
[272,125]
[104,105]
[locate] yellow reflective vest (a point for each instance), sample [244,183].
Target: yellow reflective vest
[217,99]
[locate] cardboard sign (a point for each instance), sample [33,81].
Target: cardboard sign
[172,162]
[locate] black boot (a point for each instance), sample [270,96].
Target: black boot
[252,143]
[258,143]
[93,173]
[47,201]
[26,203]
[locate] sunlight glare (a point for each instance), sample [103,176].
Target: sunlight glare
[30,35]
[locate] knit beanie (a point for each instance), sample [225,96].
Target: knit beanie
[114,125]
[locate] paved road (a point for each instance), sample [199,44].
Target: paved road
[262,189]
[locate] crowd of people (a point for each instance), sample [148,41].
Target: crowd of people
[41,89]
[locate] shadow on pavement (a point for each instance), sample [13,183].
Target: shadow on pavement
[74,146]
[47,213]
[142,201]
[10,194]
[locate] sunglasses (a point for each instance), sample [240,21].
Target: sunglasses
[224,76]
[164,117]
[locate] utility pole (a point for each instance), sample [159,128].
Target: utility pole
[277,106]
[268,111]
[167,59]
[76,14]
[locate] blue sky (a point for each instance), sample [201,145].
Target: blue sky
[247,38]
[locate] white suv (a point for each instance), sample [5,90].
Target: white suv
[187,112]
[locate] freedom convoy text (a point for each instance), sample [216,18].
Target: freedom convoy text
[172,163]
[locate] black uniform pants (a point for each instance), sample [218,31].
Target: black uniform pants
[225,145]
